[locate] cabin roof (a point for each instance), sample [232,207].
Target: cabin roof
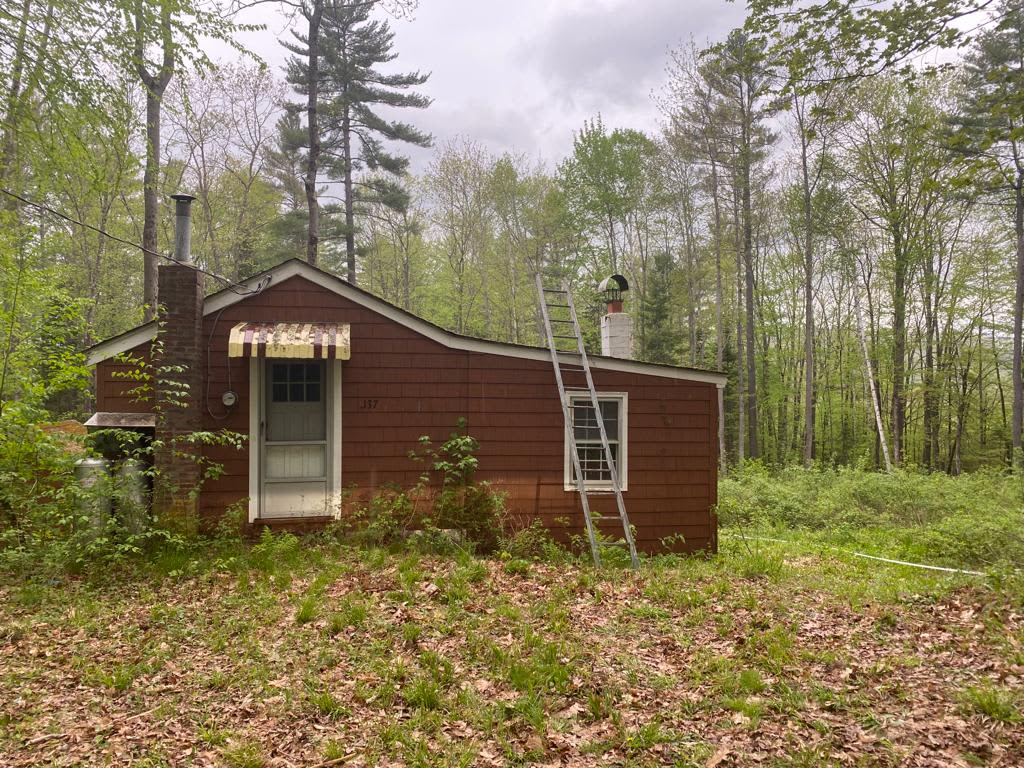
[215,302]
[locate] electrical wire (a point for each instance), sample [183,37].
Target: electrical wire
[206,391]
[236,288]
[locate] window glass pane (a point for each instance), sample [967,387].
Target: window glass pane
[588,438]
[280,393]
[610,412]
[296,392]
[584,423]
[296,371]
[313,392]
[312,371]
[280,372]
[595,468]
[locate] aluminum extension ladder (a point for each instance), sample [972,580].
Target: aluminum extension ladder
[558,311]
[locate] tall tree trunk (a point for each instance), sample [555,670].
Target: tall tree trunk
[748,263]
[899,345]
[719,329]
[151,204]
[406,240]
[155,85]
[350,230]
[1018,322]
[808,305]
[313,133]
[11,119]
[930,448]
[741,434]
[611,244]
[870,370]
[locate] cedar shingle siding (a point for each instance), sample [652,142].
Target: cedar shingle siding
[399,385]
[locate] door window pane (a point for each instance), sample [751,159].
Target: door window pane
[296,382]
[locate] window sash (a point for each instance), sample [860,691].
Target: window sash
[587,437]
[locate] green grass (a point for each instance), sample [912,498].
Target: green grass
[244,755]
[326,704]
[308,610]
[434,660]
[999,704]
[971,521]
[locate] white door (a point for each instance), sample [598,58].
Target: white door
[296,447]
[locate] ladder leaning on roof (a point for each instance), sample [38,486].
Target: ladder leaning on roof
[569,322]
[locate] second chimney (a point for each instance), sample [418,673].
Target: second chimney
[616,325]
[179,387]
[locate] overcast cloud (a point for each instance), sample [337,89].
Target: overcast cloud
[522,75]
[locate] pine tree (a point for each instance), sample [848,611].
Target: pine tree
[661,337]
[336,67]
[283,164]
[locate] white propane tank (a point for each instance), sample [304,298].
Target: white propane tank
[95,507]
[133,501]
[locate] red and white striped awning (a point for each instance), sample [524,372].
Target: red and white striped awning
[319,341]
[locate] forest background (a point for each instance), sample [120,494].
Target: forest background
[841,232]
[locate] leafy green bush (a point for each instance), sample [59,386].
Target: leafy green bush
[458,502]
[975,519]
[531,542]
[48,522]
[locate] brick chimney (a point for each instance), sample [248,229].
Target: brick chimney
[616,325]
[178,392]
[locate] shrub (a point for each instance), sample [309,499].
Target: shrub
[972,520]
[429,509]
[531,542]
[48,522]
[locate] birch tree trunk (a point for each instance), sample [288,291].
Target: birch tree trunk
[870,371]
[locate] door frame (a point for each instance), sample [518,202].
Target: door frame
[257,391]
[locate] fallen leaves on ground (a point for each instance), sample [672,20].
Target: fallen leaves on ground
[410,660]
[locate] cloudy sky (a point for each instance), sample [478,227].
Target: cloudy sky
[524,74]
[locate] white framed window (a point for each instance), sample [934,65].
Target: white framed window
[584,430]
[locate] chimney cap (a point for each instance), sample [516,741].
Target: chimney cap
[615,283]
[183,197]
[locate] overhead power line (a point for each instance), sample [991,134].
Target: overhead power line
[231,285]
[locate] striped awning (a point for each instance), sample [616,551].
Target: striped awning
[320,341]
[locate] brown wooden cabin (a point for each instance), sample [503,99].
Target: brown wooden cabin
[334,387]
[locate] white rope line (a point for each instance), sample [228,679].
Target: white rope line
[918,565]
[861,554]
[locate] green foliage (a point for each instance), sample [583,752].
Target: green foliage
[244,754]
[606,180]
[970,520]
[353,135]
[444,511]
[327,704]
[531,542]
[51,523]
[272,553]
